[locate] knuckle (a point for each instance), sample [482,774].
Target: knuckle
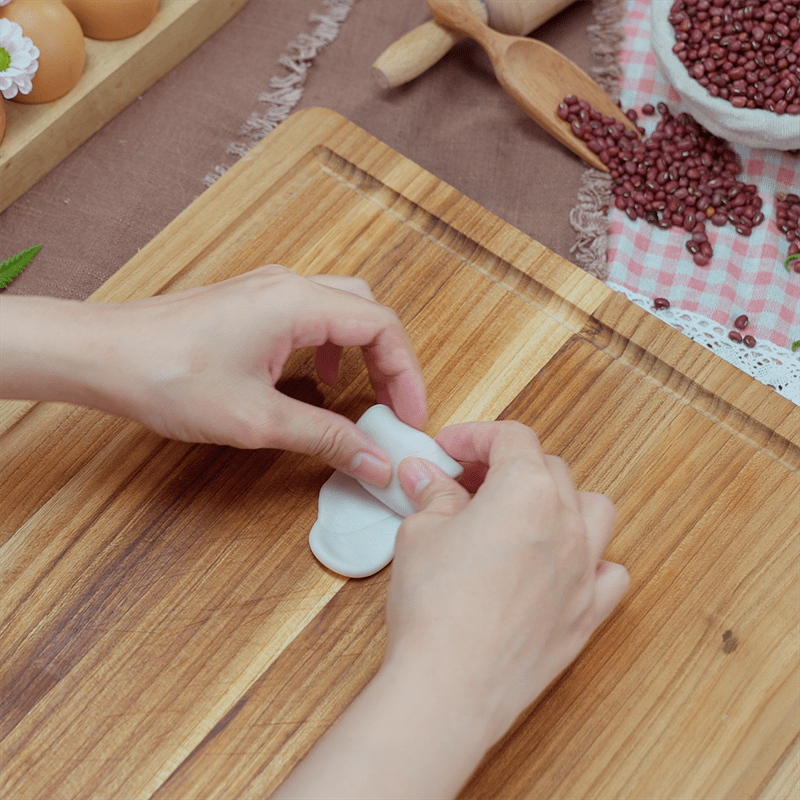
[519,428]
[264,281]
[574,545]
[389,317]
[267,275]
[260,427]
[527,470]
[360,286]
[444,500]
[244,427]
[519,431]
[574,527]
[331,444]
[606,505]
[441,500]
[587,622]
[272,269]
[599,510]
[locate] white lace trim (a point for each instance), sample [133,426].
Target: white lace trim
[287,89]
[769,364]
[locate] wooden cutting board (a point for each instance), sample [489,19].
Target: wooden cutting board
[166,633]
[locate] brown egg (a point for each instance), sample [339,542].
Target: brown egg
[52,27]
[113,19]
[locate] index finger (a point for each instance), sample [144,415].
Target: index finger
[328,356]
[488,448]
[350,320]
[518,479]
[489,443]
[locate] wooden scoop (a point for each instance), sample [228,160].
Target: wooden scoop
[535,76]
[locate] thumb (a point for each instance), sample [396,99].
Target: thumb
[430,489]
[316,431]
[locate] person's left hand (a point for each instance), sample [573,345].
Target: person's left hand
[201,365]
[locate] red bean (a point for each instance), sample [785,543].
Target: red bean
[735,336]
[744,51]
[661,302]
[719,219]
[741,322]
[749,341]
[787,213]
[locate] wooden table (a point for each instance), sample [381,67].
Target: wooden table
[166,632]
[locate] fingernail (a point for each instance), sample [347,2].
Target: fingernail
[371,469]
[414,475]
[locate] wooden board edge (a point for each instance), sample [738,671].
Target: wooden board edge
[700,370]
[635,327]
[176,245]
[604,309]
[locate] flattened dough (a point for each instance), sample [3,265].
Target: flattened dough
[357,524]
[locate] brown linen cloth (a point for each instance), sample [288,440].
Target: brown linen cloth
[119,189]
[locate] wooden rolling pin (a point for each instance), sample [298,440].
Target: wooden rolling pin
[422,47]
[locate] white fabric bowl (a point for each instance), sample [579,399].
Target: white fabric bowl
[751,127]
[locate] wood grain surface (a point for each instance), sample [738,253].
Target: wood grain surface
[39,137]
[166,632]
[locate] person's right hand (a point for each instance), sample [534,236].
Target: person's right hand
[493,596]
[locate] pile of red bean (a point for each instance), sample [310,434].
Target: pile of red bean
[680,176]
[787,211]
[745,51]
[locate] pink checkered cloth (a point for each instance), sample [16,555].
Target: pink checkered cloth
[746,274]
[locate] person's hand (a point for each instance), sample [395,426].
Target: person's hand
[493,596]
[214,354]
[490,598]
[201,365]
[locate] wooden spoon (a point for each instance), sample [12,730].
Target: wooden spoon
[535,76]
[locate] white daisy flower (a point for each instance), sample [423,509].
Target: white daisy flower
[18,60]
[4,2]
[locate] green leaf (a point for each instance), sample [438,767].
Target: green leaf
[12,267]
[795,346]
[796,255]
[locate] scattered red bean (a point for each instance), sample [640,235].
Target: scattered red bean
[735,336]
[681,176]
[787,212]
[744,51]
[648,109]
[749,341]
[661,302]
[741,322]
